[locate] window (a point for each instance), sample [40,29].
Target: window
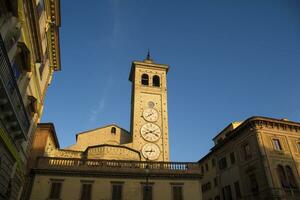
[205,187]
[156,81]
[16,69]
[237,190]
[147,192]
[298,145]
[145,79]
[202,169]
[247,151]
[286,177]
[206,167]
[253,184]
[55,190]
[227,193]
[113,130]
[215,182]
[177,192]
[217,197]
[291,177]
[222,163]
[41,69]
[232,158]
[86,191]
[117,191]
[282,176]
[21,61]
[277,145]
[213,162]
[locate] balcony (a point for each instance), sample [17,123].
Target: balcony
[13,114]
[117,168]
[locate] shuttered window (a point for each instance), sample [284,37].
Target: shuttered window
[86,191]
[177,192]
[147,192]
[232,158]
[55,190]
[117,191]
[237,190]
[227,193]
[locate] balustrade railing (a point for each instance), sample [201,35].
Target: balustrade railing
[94,164]
[9,84]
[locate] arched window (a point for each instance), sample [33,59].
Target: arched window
[290,177]
[113,130]
[145,79]
[156,81]
[282,176]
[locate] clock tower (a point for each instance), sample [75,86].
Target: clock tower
[149,113]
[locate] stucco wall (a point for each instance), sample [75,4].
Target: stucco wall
[102,188]
[100,136]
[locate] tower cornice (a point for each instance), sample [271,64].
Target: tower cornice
[150,65]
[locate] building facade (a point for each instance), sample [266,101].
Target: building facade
[255,159]
[113,163]
[29,54]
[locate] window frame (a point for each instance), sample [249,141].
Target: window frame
[156,81]
[213,162]
[223,163]
[206,167]
[55,194]
[237,189]
[277,144]
[144,186]
[227,192]
[119,184]
[246,151]
[254,186]
[232,158]
[291,177]
[145,77]
[113,130]
[86,195]
[177,185]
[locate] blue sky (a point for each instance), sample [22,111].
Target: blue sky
[229,60]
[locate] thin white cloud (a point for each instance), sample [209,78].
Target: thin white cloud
[100,106]
[95,112]
[116,26]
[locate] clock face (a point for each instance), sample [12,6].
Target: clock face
[150,151]
[150,115]
[150,132]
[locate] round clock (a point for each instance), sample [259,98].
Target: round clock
[150,151]
[150,132]
[150,115]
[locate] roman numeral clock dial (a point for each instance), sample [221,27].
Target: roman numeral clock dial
[150,132]
[150,114]
[151,151]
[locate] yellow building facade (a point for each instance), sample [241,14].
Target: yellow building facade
[113,163]
[29,45]
[255,159]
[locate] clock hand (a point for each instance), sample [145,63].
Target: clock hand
[149,114]
[155,134]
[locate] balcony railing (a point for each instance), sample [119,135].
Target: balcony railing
[12,110]
[137,167]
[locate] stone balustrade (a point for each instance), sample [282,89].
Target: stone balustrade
[117,166]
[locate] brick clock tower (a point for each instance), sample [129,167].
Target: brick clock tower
[149,113]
